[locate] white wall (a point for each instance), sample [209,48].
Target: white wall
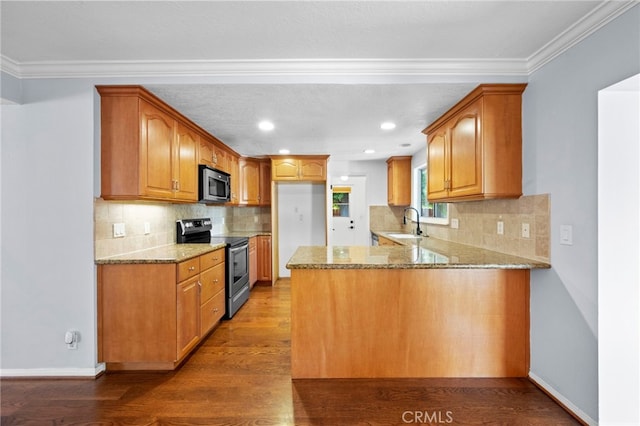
[48,275]
[375,172]
[301,219]
[619,251]
[560,158]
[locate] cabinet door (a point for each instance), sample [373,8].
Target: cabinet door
[265,183]
[206,152]
[465,146]
[212,281]
[221,162]
[313,170]
[437,166]
[253,260]
[249,182]
[399,181]
[187,321]
[284,169]
[264,258]
[235,179]
[211,312]
[157,134]
[186,164]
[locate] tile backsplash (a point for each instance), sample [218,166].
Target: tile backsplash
[478,224]
[161,218]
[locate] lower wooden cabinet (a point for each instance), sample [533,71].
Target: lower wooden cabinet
[151,316]
[253,261]
[264,258]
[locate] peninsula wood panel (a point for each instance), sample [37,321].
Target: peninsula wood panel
[376,323]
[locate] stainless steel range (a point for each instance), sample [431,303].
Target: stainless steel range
[190,231]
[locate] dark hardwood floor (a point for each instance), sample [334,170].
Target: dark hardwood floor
[240,375]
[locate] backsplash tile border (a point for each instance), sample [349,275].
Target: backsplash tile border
[478,223]
[162,220]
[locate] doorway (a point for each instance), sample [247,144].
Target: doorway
[349,221]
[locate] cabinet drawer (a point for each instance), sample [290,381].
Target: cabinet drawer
[189,268]
[211,312]
[212,281]
[212,259]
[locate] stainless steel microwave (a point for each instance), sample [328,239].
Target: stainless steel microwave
[214,185]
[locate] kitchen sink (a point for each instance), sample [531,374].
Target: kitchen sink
[400,236]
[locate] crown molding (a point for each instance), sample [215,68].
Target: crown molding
[590,23]
[276,67]
[597,18]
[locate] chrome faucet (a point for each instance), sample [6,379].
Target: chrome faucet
[404,219]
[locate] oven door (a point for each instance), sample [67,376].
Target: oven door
[238,268]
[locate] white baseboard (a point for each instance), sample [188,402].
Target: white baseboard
[563,400]
[54,372]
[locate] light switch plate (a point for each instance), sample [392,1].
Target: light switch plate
[500,229]
[119,230]
[566,235]
[526,231]
[455,224]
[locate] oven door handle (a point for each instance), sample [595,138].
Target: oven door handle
[239,248]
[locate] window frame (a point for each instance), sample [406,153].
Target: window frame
[416,198]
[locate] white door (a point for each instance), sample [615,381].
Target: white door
[349,224]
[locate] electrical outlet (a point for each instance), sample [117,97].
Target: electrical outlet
[455,223]
[526,232]
[71,338]
[500,229]
[119,230]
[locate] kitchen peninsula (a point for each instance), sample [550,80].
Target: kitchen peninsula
[427,309]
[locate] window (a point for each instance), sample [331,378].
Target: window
[341,201]
[437,213]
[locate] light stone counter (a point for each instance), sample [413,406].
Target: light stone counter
[424,253]
[172,253]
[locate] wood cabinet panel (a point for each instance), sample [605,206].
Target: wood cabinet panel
[157,145]
[150,316]
[234,168]
[212,281]
[454,323]
[187,318]
[310,168]
[186,164]
[399,181]
[265,183]
[148,150]
[211,312]
[474,151]
[264,258]
[253,260]
[137,310]
[249,182]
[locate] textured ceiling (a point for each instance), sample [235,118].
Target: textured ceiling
[326,72]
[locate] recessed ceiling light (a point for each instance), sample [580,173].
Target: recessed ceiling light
[388,125]
[405,145]
[266,126]
[369,151]
[344,178]
[284,151]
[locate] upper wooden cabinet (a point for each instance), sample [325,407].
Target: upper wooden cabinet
[399,181]
[474,151]
[147,150]
[255,182]
[299,168]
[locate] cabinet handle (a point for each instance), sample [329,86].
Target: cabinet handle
[215,281]
[215,309]
[192,268]
[199,284]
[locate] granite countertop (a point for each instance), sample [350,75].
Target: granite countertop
[419,253]
[172,253]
